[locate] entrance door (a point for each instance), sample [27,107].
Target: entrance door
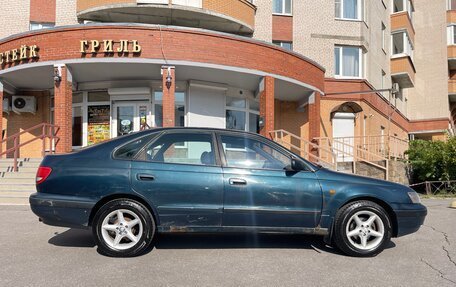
[343,136]
[129,117]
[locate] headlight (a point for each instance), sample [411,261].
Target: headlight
[414,197]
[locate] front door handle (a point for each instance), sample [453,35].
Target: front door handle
[237,181]
[145,177]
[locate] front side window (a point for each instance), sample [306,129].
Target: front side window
[241,152]
[282,7]
[349,9]
[348,61]
[182,148]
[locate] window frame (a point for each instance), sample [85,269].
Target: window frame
[338,74]
[41,25]
[281,44]
[283,13]
[361,11]
[408,45]
[272,145]
[214,145]
[246,110]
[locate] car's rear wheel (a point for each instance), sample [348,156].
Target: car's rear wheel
[362,229]
[123,228]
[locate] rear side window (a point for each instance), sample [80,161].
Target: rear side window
[131,149]
[181,148]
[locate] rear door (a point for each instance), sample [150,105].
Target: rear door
[259,192]
[181,176]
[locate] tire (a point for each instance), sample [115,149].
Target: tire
[362,229]
[123,228]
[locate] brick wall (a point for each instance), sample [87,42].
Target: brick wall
[63,111]
[282,28]
[188,45]
[15,17]
[237,9]
[42,11]
[15,123]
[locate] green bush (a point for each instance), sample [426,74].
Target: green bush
[432,160]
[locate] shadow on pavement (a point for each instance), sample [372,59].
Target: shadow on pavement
[73,238]
[83,238]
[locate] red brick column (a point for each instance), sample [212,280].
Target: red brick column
[63,96]
[267,105]
[314,121]
[169,88]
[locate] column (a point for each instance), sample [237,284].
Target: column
[267,105]
[169,88]
[314,121]
[63,112]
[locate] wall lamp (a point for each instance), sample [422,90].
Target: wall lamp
[169,78]
[57,74]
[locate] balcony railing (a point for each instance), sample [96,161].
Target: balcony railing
[403,71]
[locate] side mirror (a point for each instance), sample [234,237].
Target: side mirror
[296,165]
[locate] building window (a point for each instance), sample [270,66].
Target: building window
[282,7]
[283,44]
[383,37]
[402,6]
[401,45]
[242,114]
[451,31]
[179,106]
[38,26]
[451,4]
[349,9]
[348,61]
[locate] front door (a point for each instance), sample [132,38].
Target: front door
[129,117]
[343,136]
[258,190]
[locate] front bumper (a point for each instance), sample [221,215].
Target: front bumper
[409,217]
[61,210]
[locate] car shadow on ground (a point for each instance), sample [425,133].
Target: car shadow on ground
[83,238]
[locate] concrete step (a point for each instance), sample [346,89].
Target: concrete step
[17,180]
[5,165]
[17,187]
[20,170]
[16,194]
[20,174]
[14,201]
[21,159]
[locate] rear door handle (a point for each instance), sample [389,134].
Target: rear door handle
[237,181]
[145,177]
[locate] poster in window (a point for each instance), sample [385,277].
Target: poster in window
[98,124]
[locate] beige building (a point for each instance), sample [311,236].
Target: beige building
[353,79]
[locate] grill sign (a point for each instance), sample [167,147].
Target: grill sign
[109,46]
[23,53]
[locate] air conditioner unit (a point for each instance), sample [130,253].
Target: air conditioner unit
[23,104]
[6,105]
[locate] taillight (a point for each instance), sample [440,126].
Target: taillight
[42,173]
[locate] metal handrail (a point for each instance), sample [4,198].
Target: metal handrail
[278,135]
[48,131]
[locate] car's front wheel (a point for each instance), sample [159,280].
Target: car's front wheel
[362,229]
[123,228]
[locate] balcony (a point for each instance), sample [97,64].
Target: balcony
[231,16]
[401,22]
[451,16]
[403,71]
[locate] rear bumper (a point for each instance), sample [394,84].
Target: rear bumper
[60,210]
[410,217]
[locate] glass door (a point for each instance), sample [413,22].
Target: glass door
[130,117]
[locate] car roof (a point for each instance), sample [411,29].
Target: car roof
[196,129]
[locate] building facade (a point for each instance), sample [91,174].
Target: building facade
[319,71]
